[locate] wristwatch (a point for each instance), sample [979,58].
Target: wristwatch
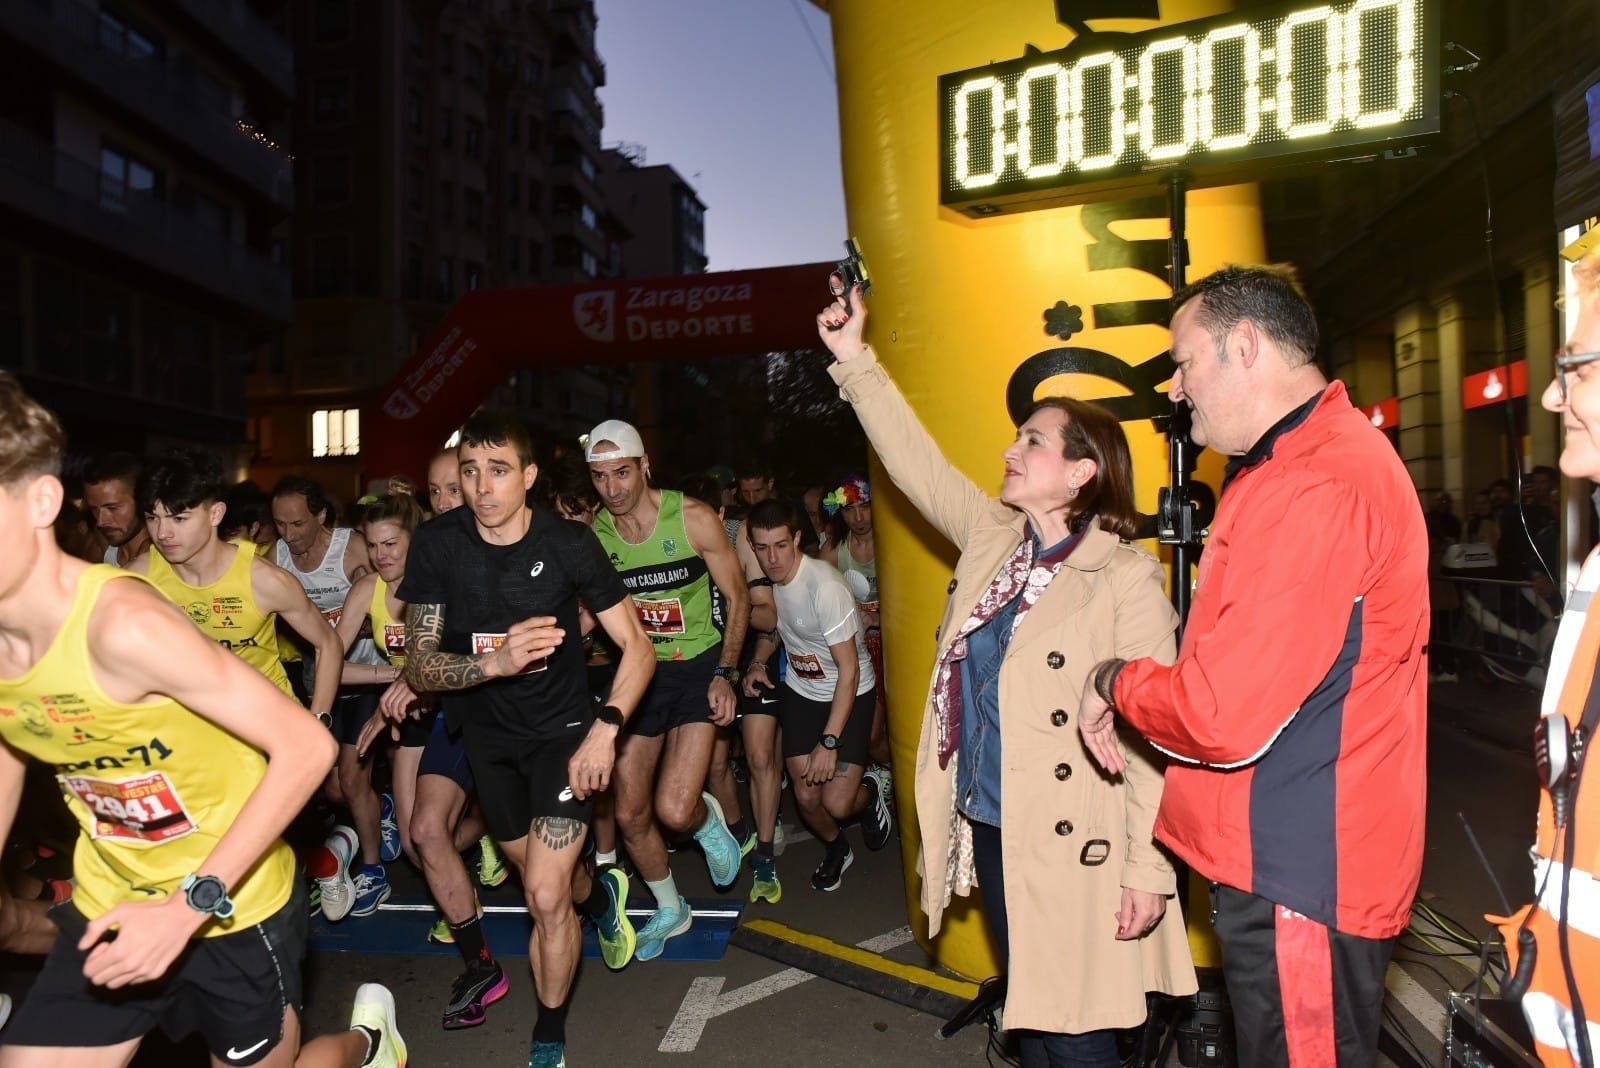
[609,714]
[830,742]
[205,893]
[729,673]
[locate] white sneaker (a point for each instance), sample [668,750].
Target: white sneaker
[374,1008]
[5,1009]
[338,889]
[778,841]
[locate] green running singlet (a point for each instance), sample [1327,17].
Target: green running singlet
[669,581]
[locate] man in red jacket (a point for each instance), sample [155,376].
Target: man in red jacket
[1296,711]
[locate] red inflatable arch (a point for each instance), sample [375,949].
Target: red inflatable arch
[490,334]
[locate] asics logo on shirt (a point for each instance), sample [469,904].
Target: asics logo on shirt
[538,567]
[565,794]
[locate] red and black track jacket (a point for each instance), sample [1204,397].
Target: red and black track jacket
[1297,708]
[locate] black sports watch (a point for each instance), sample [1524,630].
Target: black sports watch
[609,714]
[205,893]
[830,742]
[729,673]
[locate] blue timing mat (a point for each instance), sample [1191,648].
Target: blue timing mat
[401,928]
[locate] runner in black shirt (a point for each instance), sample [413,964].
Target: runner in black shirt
[492,593]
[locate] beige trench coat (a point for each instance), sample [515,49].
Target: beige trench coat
[1068,973]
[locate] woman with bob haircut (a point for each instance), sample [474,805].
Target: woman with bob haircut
[1047,585]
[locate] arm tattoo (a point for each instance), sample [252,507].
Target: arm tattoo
[557,832]
[428,669]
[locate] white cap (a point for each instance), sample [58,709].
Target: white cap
[624,440]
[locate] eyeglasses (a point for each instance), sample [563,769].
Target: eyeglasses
[1569,361]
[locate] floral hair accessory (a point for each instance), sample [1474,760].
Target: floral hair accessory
[854,490]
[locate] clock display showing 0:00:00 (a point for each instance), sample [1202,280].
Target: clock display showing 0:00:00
[1350,68]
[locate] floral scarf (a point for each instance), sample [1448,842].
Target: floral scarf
[1019,574]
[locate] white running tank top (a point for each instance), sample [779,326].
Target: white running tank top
[327,586]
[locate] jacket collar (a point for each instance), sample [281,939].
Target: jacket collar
[1093,551]
[1261,451]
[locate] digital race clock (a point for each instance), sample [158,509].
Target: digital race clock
[1211,98]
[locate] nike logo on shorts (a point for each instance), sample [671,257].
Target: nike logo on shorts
[565,794]
[241,1054]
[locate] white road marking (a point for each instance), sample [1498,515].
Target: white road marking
[1412,996]
[705,1000]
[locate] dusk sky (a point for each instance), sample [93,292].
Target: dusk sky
[740,99]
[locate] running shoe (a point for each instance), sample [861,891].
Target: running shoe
[481,985]
[390,850]
[492,870]
[371,891]
[877,824]
[766,886]
[720,847]
[779,841]
[665,924]
[831,871]
[440,933]
[374,1009]
[331,870]
[547,1055]
[617,936]
[313,897]
[748,844]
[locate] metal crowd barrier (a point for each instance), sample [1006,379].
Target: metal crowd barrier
[1503,627]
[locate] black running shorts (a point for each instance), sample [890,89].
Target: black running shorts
[522,779]
[677,695]
[233,990]
[446,755]
[803,721]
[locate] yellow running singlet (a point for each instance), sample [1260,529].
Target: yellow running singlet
[389,636]
[153,786]
[227,612]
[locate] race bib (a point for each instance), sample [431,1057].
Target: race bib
[144,809]
[488,643]
[394,639]
[333,615]
[661,617]
[806,666]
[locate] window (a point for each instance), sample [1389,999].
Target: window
[535,195]
[330,180]
[513,188]
[472,139]
[414,271]
[415,110]
[513,127]
[122,36]
[335,432]
[416,182]
[127,182]
[591,267]
[587,217]
[330,100]
[586,166]
[330,266]
[472,64]
[535,257]
[535,132]
[447,54]
[513,250]
[331,21]
[447,201]
[445,288]
[447,126]
[472,210]
[472,274]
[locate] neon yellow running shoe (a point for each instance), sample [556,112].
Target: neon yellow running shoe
[765,886]
[492,870]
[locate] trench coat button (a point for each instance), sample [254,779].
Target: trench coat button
[951,588]
[1055,660]
[1063,772]
[1058,718]
[1064,828]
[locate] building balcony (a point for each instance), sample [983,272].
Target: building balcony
[194,112]
[247,37]
[66,193]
